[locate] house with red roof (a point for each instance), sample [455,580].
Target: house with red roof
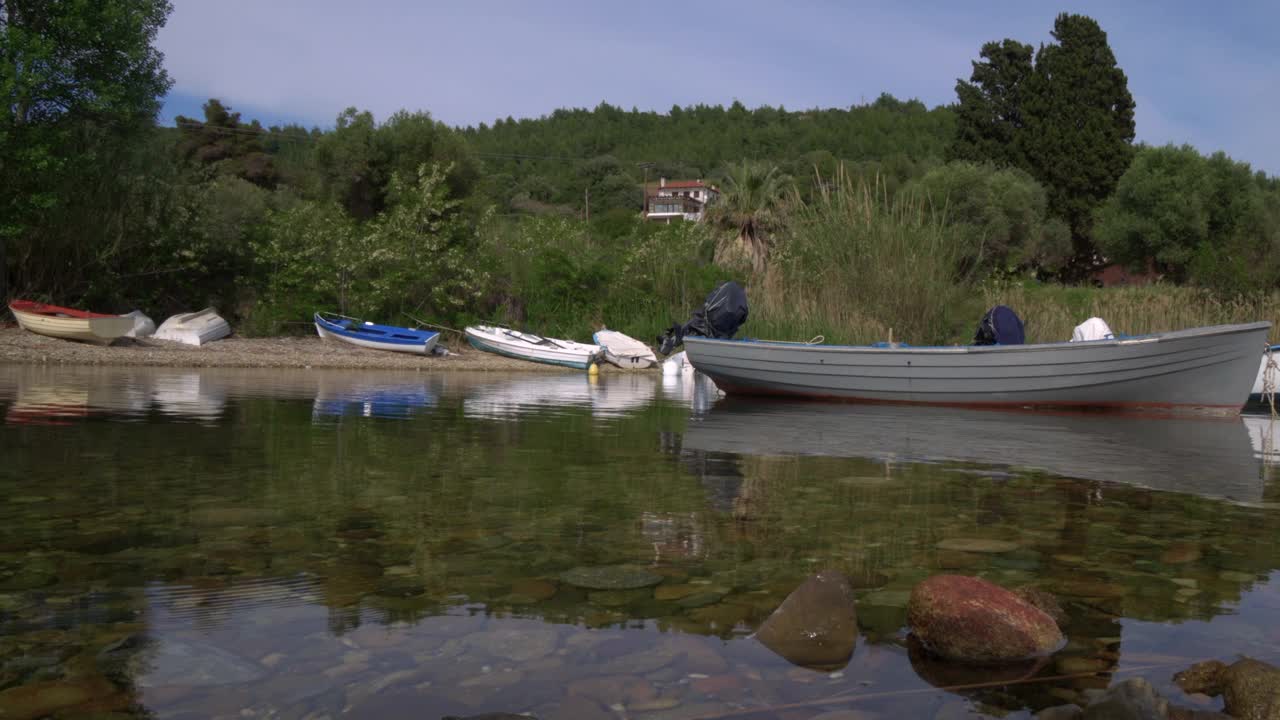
[684,199]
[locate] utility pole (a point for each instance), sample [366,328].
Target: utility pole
[644,191]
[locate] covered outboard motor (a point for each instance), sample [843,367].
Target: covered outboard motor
[1000,326]
[723,312]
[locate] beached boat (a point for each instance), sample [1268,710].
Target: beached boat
[195,328]
[379,337]
[624,350]
[1207,370]
[69,324]
[526,346]
[1267,382]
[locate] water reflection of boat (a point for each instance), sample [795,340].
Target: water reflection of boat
[193,394]
[693,388]
[54,396]
[335,398]
[1203,456]
[606,395]
[1264,435]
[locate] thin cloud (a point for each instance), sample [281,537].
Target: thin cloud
[1210,77]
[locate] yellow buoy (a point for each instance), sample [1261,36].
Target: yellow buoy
[593,369]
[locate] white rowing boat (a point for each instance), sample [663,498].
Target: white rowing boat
[526,346]
[624,350]
[195,328]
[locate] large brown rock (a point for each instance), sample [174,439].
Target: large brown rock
[971,620]
[816,625]
[1250,689]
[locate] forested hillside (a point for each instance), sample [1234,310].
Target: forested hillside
[555,159]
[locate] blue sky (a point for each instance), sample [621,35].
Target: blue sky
[1201,73]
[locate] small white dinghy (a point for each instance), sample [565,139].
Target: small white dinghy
[624,351]
[526,346]
[196,328]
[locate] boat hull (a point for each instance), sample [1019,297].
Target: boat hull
[1204,370]
[423,345]
[101,330]
[509,343]
[195,328]
[625,352]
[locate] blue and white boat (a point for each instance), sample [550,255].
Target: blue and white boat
[378,337]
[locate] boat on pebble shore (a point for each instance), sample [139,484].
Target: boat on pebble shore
[68,323]
[526,346]
[363,333]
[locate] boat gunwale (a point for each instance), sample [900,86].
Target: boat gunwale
[1206,331]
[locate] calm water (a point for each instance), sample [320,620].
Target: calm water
[191,544]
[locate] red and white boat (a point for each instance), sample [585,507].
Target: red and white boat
[70,324]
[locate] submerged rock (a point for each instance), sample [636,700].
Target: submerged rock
[1133,699]
[36,700]
[610,577]
[972,620]
[174,662]
[816,625]
[1250,689]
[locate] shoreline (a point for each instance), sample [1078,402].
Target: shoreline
[20,347]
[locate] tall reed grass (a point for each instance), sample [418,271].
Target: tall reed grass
[1051,312]
[857,266]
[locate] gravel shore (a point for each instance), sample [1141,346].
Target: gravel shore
[20,346]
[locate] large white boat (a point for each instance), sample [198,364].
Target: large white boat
[1203,370]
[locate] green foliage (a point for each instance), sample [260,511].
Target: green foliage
[857,265]
[1208,220]
[752,199]
[1068,120]
[414,258]
[1079,122]
[552,160]
[79,80]
[226,146]
[989,119]
[998,215]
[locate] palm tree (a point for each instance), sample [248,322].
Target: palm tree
[750,204]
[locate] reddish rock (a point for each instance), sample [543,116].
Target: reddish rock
[1044,600]
[816,625]
[971,620]
[717,684]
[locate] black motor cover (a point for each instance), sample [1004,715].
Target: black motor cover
[1000,326]
[723,312]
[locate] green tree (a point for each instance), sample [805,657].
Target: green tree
[69,69]
[997,214]
[1207,220]
[226,145]
[752,198]
[989,116]
[1079,126]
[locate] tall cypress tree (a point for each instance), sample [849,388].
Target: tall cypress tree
[1078,114]
[989,116]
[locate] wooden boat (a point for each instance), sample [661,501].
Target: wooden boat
[69,324]
[526,346]
[195,328]
[379,337]
[625,351]
[1203,370]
